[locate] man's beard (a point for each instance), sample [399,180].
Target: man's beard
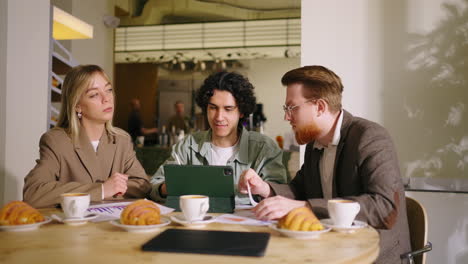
[307,133]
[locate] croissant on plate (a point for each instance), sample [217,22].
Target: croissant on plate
[300,219]
[141,212]
[19,213]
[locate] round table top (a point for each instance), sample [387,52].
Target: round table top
[103,242]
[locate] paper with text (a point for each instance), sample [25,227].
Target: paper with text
[241,220]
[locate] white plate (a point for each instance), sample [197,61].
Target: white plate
[180,219]
[141,228]
[300,234]
[356,225]
[28,227]
[78,221]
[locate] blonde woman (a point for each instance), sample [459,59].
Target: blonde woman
[84,152]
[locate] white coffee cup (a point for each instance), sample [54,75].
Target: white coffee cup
[194,207]
[141,141]
[74,205]
[343,212]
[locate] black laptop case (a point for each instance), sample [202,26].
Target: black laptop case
[209,242]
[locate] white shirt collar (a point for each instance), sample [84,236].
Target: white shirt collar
[336,133]
[95,145]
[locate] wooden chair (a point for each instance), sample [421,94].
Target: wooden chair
[417,220]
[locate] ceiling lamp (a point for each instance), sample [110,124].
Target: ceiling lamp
[67,26]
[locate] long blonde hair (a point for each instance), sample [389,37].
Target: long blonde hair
[76,82]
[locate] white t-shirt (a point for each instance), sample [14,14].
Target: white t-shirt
[95,145]
[220,156]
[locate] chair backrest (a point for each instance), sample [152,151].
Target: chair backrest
[417,221]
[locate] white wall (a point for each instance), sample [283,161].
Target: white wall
[3,54]
[344,36]
[265,75]
[367,42]
[100,49]
[24,60]
[24,71]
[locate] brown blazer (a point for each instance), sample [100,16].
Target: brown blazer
[67,166]
[367,171]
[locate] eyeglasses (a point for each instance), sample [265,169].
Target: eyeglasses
[289,108]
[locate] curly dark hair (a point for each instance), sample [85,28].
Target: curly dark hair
[238,85]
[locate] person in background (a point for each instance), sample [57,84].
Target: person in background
[135,124]
[226,98]
[179,121]
[84,152]
[346,157]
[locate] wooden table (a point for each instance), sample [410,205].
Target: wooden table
[105,243]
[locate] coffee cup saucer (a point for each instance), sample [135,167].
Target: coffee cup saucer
[350,229]
[180,219]
[74,221]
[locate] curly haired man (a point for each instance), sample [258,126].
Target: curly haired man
[227,99]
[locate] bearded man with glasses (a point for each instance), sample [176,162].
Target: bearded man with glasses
[346,157]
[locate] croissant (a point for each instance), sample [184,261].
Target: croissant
[19,213]
[141,212]
[300,219]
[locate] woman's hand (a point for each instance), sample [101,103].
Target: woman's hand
[117,183]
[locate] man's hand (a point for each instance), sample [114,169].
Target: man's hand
[257,185]
[163,190]
[275,207]
[117,183]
